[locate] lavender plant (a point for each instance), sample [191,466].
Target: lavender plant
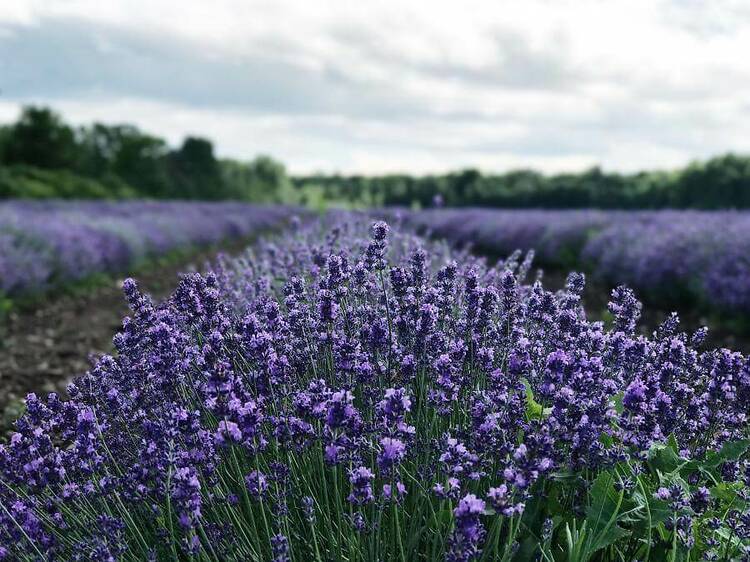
[48,243]
[336,394]
[699,256]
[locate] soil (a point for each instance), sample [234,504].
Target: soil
[49,341]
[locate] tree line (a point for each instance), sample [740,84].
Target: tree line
[721,182]
[42,156]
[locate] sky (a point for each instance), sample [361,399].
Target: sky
[396,85]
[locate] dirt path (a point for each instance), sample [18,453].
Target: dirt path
[44,346]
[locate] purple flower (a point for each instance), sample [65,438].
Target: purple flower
[395,405]
[228,431]
[391,454]
[375,253]
[389,493]
[469,532]
[280,546]
[379,231]
[451,489]
[308,508]
[187,495]
[625,308]
[662,494]
[341,411]
[256,483]
[361,480]
[700,500]
[501,499]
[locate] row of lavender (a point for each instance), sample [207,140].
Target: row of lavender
[47,243]
[700,256]
[338,396]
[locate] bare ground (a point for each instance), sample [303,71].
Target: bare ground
[50,340]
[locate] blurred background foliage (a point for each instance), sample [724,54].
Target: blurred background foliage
[41,156]
[722,182]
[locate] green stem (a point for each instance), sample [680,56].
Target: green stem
[399,541]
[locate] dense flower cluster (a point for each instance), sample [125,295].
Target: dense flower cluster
[699,256]
[44,243]
[339,394]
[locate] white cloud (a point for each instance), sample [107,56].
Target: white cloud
[395,85]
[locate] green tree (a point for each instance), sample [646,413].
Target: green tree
[262,180]
[40,138]
[269,177]
[4,137]
[463,186]
[140,160]
[723,181]
[195,171]
[99,145]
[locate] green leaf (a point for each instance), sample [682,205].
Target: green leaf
[603,514]
[566,476]
[734,449]
[724,492]
[730,451]
[606,440]
[664,457]
[652,510]
[534,410]
[617,400]
[730,494]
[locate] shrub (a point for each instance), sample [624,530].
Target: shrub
[47,244]
[338,397]
[27,182]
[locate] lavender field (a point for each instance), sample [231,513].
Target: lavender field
[347,391]
[374,281]
[697,257]
[50,243]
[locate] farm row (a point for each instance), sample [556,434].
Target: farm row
[50,243]
[671,257]
[347,392]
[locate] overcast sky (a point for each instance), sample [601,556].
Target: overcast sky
[397,85]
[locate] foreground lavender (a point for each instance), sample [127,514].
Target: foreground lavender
[47,243]
[338,397]
[669,255]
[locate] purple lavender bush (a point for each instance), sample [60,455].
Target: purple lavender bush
[48,243]
[705,255]
[555,236]
[672,256]
[334,395]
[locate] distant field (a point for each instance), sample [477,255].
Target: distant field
[50,243]
[701,258]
